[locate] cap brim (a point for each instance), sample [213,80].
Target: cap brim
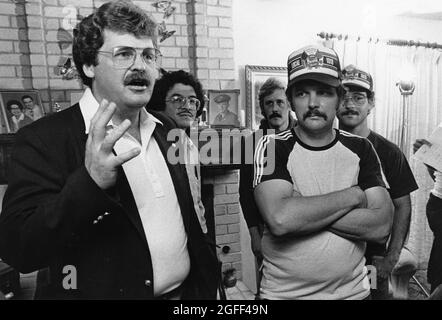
[356,84]
[319,77]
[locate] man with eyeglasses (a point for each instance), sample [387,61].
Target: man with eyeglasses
[352,114]
[179,96]
[100,207]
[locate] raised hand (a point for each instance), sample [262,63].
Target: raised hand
[101,164]
[419,143]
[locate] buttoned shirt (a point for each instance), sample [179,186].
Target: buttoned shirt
[153,190]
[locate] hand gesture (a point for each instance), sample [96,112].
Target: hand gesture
[101,163]
[419,143]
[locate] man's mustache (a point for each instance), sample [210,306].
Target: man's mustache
[314,113]
[137,78]
[275,115]
[349,112]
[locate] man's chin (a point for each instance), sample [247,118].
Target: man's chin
[137,97]
[275,122]
[348,123]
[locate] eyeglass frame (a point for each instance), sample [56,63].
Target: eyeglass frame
[184,101]
[350,96]
[158,56]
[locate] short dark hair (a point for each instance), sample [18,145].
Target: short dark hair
[12,102]
[118,16]
[26,97]
[268,87]
[166,82]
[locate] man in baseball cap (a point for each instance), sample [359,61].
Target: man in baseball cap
[326,196]
[314,63]
[353,112]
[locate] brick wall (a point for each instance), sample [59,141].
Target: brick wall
[227,211]
[34,40]
[31,48]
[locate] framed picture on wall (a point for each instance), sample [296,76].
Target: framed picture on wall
[223,108]
[19,108]
[255,77]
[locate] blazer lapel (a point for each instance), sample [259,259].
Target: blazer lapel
[78,133]
[122,192]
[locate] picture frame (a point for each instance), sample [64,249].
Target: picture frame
[255,76]
[223,109]
[18,108]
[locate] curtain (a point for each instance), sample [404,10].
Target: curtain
[386,63]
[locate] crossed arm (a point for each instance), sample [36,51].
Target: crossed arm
[350,213]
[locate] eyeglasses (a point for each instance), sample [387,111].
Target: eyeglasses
[357,99]
[124,57]
[180,101]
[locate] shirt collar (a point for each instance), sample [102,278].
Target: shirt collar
[89,106]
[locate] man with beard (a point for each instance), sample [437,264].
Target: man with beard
[100,206]
[324,197]
[352,114]
[277,118]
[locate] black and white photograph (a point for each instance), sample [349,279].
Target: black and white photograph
[19,108]
[238,152]
[223,108]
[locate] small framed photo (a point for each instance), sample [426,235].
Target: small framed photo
[255,77]
[18,109]
[223,109]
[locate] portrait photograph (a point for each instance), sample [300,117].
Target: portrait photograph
[18,109]
[223,108]
[255,77]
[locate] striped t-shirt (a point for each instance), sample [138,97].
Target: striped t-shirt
[321,265]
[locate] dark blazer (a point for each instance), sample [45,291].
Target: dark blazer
[49,211]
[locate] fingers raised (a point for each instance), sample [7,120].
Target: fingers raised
[124,157]
[102,118]
[114,135]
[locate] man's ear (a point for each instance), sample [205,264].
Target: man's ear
[89,71]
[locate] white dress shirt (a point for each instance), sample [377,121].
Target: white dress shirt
[153,190]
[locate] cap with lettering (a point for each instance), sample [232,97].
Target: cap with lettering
[353,76]
[314,63]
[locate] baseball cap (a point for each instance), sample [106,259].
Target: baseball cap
[353,76]
[314,63]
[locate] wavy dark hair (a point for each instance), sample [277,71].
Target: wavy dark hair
[10,103]
[166,82]
[118,16]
